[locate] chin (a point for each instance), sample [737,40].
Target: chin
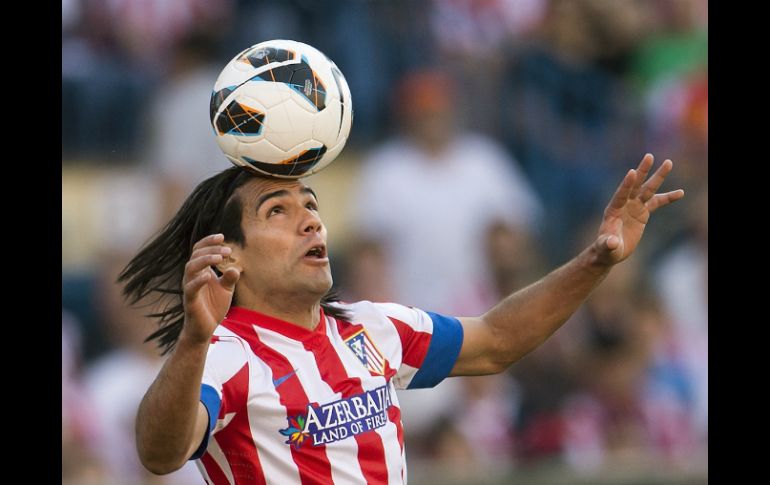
[326,286]
[321,285]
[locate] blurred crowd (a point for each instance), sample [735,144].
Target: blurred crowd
[488,135]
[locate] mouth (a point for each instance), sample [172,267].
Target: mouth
[317,253]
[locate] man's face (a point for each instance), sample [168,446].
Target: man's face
[284,254]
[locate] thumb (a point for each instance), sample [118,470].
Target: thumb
[606,243]
[229,278]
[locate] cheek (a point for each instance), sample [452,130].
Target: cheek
[268,249]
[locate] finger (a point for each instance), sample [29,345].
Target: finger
[209,240]
[229,278]
[659,200]
[204,251]
[194,266]
[642,170]
[623,191]
[651,186]
[197,283]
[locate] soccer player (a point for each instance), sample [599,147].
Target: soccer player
[270,380]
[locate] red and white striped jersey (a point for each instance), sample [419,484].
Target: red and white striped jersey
[288,405]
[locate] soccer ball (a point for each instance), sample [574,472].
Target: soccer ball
[281,108]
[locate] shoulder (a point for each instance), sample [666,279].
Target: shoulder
[362,307]
[226,347]
[378,313]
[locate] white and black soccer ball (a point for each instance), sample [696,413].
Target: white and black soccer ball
[281,108]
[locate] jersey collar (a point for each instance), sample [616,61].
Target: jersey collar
[241,320]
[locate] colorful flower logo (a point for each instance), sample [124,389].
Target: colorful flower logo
[296,436]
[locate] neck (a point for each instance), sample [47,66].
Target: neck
[289,308]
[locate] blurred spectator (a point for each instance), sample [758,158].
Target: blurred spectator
[678,122]
[544,381]
[515,261]
[676,43]
[371,42]
[633,406]
[567,114]
[472,37]
[474,441]
[669,388]
[102,97]
[113,211]
[147,33]
[366,272]
[429,195]
[681,278]
[669,68]
[182,146]
[602,416]
[513,258]
[472,27]
[443,451]
[114,52]
[489,408]
[116,383]
[428,198]
[79,464]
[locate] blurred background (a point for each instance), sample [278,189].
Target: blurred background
[488,136]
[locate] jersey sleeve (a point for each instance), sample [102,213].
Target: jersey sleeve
[225,359]
[430,345]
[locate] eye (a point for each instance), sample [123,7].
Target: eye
[312,206]
[275,210]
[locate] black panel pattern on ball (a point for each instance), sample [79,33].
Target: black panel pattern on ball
[265,55]
[301,78]
[217,98]
[293,166]
[240,120]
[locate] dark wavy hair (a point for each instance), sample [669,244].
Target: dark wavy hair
[154,275]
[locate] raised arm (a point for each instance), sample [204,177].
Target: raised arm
[522,321]
[171,420]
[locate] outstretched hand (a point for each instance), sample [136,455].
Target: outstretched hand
[207,297]
[629,210]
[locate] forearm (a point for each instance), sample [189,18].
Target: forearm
[525,319]
[167,416]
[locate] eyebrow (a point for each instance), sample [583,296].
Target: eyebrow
[308,190]
[282,193]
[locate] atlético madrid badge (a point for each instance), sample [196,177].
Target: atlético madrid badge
[363,348]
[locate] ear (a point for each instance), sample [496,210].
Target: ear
[231,261]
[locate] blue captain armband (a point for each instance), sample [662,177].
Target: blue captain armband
[444,348]
[211,401]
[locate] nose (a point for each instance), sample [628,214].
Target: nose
[312,223]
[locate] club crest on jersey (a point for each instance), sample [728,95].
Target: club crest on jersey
[366,352]
[335,421]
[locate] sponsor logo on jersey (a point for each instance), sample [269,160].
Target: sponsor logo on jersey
[338,420]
